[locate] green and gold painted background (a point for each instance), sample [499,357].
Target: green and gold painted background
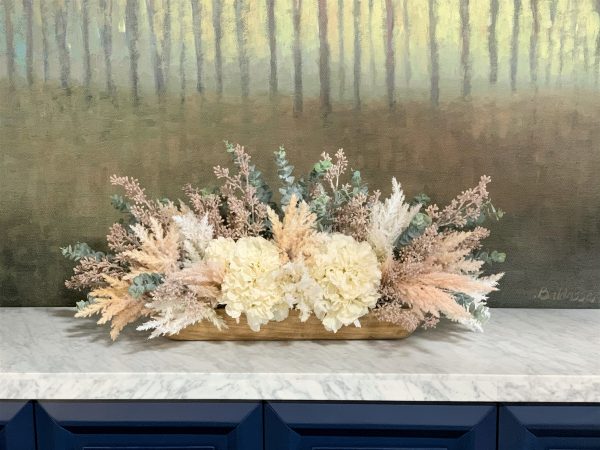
[435,92]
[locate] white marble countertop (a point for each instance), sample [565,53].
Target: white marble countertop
[524,355]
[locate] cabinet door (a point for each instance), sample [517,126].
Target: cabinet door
[16,426]
[380,426]
[149,425]
[564,427]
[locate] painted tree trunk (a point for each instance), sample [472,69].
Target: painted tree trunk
[132,33]
[514,46]
[298,95]
[465,53]
[197,27]
[434,64]
[342,56]
[45,40]
[166,44]
[562,42]
[372,46]
[272,32]
[218,32]
[357,53]
[60,30]
[85,32]
[597,51]
[576,41]
[585,48]
[10,42]
[493,41]
[406,52]
[390,61]
[553,10]
[533,43]
[28,11]
[241,32]
[324,73]
[182,52]
[159,80]
[106,7]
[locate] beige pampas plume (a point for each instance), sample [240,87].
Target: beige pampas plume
[296,234]
[158,251]
[388,220]
[115,305]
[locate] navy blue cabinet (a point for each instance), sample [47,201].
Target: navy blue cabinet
[113,425]
[549,427]
[149,426]
[354,426]
[16,426]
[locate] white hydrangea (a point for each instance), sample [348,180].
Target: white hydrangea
[299,288]
[348,273]
[220,251]
[251,285]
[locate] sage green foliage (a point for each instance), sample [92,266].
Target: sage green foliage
[82,304]
[289,184]
[488,211]
[491,257]
[324,201]
[479,311]
[416,228]
[81,250]
[119,203]
[143,283]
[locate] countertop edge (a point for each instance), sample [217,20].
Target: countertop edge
[301,386]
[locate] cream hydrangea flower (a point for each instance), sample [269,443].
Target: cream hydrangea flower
[220,251]
[251,285]
[348,273]
[299,288]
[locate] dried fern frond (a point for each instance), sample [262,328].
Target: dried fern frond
[158,251]
[297,232]
[115,305]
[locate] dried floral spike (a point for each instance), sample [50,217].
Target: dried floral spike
[115,305]
[297,232]
[158,252]
[388,220]
[465,208]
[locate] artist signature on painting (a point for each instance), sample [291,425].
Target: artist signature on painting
[568,294]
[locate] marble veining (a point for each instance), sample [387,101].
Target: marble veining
[524,355]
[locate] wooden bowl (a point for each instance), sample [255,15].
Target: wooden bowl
[290,329]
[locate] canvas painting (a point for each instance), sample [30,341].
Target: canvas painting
[433,92]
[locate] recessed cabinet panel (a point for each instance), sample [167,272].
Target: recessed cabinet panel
[382,426]
[16,426]
[549,427]
[149,426]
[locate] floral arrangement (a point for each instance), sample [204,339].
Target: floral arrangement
[329,248]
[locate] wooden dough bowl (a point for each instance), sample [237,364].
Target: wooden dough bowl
[290,329]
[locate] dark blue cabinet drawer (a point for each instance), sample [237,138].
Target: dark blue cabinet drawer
[384,426]
[556,427]
[16,426]
[149,426]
